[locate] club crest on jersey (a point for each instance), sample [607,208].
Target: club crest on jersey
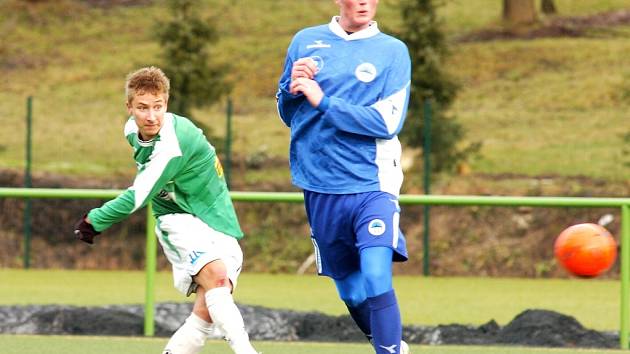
[376,227]
[365,72]
[318,61]
[318,44]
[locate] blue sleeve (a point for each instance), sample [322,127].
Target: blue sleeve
[288,103]
[384,118]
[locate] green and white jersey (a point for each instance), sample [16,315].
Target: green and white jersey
[179,172]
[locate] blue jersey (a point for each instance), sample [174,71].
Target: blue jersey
[349,143]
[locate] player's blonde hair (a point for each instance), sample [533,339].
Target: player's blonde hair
[147,80]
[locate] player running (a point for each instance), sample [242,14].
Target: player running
[344,94]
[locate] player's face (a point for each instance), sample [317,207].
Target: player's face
[356,15]
[148,111]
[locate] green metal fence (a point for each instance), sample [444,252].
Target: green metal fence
[151,245]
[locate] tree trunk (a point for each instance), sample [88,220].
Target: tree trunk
[548,7]
[519,12]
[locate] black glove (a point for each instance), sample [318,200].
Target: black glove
[85,231]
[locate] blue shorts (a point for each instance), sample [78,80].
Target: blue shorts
[344,224]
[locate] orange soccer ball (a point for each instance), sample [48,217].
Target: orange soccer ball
[586,250]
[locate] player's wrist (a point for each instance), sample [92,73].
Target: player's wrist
[323,104]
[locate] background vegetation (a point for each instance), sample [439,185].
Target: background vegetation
[550,106]
[550,111]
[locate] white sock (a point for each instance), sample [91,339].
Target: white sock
[228,318]
[190,337]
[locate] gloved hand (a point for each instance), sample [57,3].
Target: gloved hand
[84,231]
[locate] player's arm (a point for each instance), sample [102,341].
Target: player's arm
[289,102]
[161,168]
[383,119]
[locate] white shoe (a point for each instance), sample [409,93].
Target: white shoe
[404,347]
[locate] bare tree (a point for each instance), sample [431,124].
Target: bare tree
[519,12]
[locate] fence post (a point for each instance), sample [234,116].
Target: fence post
[228,143]
[426,151]
[151,261]
[28,183]
[625,276]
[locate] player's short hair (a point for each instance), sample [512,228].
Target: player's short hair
[147,80]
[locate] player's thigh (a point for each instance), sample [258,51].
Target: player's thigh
[377,224]
[189,244]
[332,234]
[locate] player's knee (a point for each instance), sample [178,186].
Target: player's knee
[202,312]
[353,299]
[351,289]
[353,295]
[213,275]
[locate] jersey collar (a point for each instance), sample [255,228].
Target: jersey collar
[335,27]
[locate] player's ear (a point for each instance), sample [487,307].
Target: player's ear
[128,104]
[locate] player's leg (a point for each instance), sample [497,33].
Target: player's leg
[214,261]
[332,232]
[352,292]
[191,336]
[380,242]
[385,322]
[336,255]
[221,307]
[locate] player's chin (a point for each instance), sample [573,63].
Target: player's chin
[152,129]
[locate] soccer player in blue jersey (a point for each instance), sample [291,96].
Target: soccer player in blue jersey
[344,94]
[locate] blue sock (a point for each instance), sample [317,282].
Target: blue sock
[361,316]
[385,323]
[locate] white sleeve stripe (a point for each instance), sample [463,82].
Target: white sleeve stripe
[164,151]
[146,179]
[391,108]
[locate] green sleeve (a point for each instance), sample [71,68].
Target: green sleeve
[163,165]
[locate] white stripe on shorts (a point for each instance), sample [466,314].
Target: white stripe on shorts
[395,224]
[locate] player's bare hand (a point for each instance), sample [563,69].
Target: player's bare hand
[309,88]
[304,67]
[84,231]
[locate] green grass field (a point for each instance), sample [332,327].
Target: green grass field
[427,301]
[106,345]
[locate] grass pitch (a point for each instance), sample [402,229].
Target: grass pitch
[106,345]
[424,301]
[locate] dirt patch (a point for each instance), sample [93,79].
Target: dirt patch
[114,3]
[550,329]
[555,27]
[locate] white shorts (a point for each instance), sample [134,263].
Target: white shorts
[189,244]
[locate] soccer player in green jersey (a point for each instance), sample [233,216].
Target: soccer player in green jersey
[179,172]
